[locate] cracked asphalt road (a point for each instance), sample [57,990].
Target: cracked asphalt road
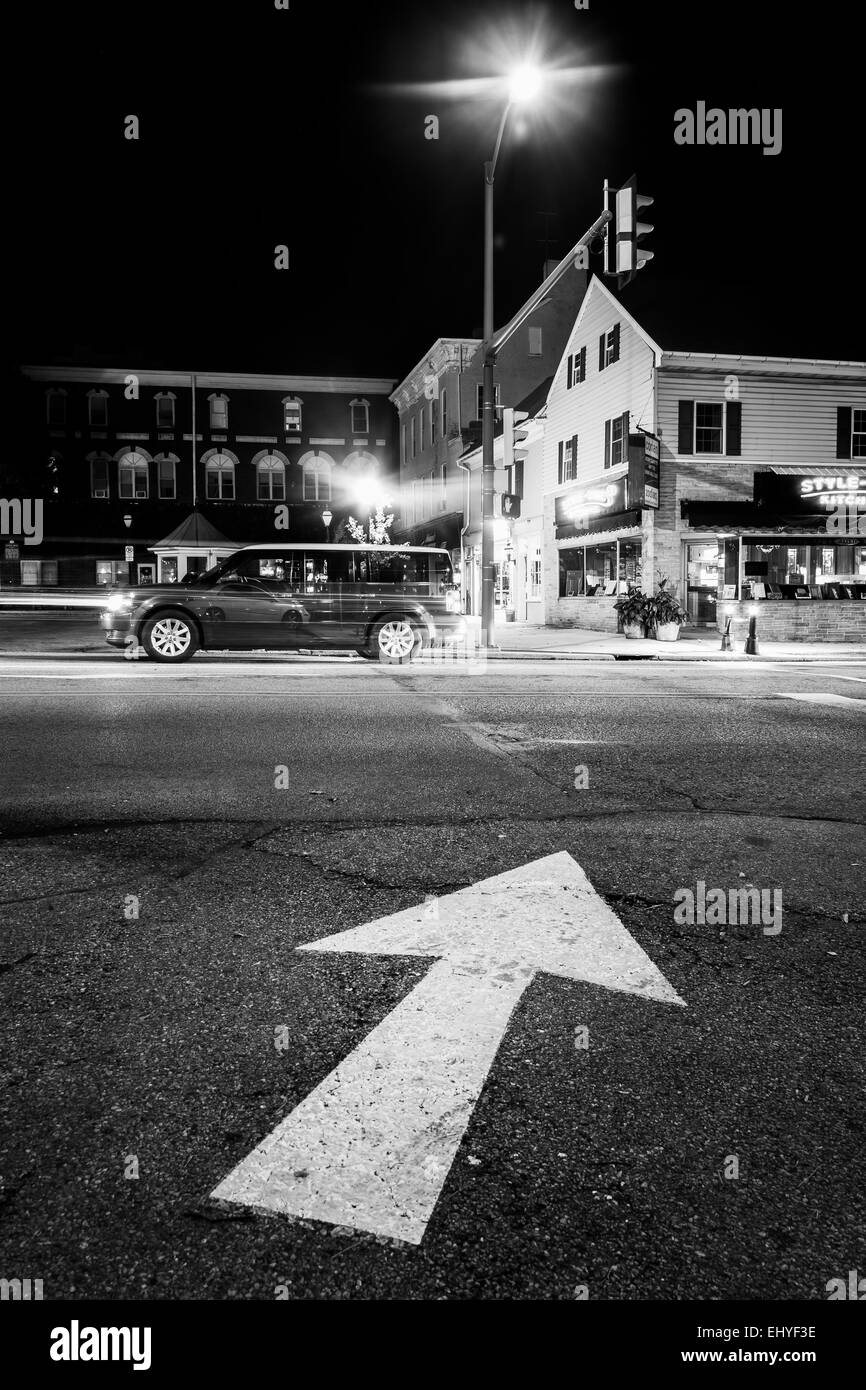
[151,1037]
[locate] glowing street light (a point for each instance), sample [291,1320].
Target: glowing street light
[524,83]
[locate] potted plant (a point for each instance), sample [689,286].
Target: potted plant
[666,613]
[632,610]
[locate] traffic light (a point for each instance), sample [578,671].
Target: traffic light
[623,254]
[513,436]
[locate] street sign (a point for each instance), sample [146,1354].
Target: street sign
[643,470]
[509,504]
[372,1145]
[129,552]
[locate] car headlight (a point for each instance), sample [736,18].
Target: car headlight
[119,603]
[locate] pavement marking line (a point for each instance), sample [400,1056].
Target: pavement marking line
[821,698]
[371,1147]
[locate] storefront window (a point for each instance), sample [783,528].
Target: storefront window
[704,571]
[785,566]
[571,575]
[630,563]
[168,571]
[600,567]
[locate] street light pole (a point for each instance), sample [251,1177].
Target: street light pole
[488,402]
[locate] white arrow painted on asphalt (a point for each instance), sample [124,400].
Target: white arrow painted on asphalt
[371,1146]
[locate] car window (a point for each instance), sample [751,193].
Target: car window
[406,570]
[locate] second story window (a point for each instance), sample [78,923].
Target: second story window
[360,415]
[444,413]
[166,475]
[219,414]
[414,431]
[55,405]
[615,440]
[403,454]
[99,465]
[271,479]
[97,409]
[165,410]
[709,427]
[567,461]
[317,480]
[421,418]
[535,342]
[850,432]
[432,422]
[858,436]
[132,476]
[293,414]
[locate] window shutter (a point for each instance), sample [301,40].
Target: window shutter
[570,381]
[601,353]
[560,461]
[616,342]
[625,420]
[607,425]
[843,432]
[583,364]
[734,427]
[686,431]
[574,456]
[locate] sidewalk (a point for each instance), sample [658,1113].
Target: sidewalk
[533,640]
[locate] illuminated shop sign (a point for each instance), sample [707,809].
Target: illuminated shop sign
[810,494]
[581,506]
[829,492]
[643,470]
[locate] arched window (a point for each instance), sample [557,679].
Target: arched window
[317,477]
[270,477]
[166,472]
[219,477]
[133,474]
[361,462]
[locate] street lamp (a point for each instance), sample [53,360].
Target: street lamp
[127,521]
[524,85]
[326,519]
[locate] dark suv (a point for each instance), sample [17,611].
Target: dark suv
[383,602]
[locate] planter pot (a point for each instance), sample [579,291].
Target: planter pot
[667,632]
[633,629]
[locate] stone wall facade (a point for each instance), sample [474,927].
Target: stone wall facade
[792,620]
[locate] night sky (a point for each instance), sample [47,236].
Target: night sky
[261,127]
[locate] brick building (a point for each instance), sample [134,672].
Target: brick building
[112,456]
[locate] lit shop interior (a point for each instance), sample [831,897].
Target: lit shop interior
[585,570]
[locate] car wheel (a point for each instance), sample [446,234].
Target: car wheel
[170,636]
[396,640]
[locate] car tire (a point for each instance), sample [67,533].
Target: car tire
[368,653]
[170,636]
[396,640]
